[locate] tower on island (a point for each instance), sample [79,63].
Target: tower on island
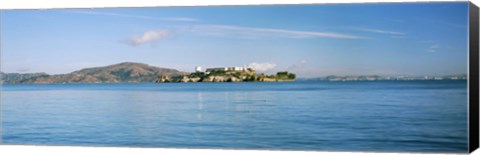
[198,69]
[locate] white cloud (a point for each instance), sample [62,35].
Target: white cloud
[398,37]
[255,33]
[426,41]
[148,36]
[235,32]
[380,31]
[179,19]
[433,48]
[297,66]
[262,66]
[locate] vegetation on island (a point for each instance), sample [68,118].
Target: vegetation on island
[244,75]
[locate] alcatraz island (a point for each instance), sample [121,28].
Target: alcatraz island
[227,74]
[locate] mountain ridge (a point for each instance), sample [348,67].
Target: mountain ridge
[120,72]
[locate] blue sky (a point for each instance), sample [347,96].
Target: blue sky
[414,39]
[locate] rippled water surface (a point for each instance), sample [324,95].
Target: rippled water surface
[410,116]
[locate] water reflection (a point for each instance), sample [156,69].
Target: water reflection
[199,105]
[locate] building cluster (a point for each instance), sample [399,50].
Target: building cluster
[223,69]
[227,74]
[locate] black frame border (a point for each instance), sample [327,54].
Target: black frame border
[473,107]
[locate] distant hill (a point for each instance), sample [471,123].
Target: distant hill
[122,72]
[19,78]
[377,77]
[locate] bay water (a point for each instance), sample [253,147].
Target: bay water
[379,116]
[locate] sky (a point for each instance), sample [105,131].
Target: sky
[411,39]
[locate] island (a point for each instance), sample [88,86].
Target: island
[227,74]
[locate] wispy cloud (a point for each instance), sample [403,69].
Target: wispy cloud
[179,19]
[380,31]
[262,67]
[298,65]
[149,36]
[232,31]
[256,33]
[426,41]
[398,37]
[459,25]
[433,48]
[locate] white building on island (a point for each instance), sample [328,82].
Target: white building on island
[198,69]
[226,69]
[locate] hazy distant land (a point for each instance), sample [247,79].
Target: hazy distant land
[139,72]
[122,72]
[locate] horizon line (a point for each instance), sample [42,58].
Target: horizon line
[341,75]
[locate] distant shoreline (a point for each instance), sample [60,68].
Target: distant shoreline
[131,72]
[296,81]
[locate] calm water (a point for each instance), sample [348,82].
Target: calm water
[413,116]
